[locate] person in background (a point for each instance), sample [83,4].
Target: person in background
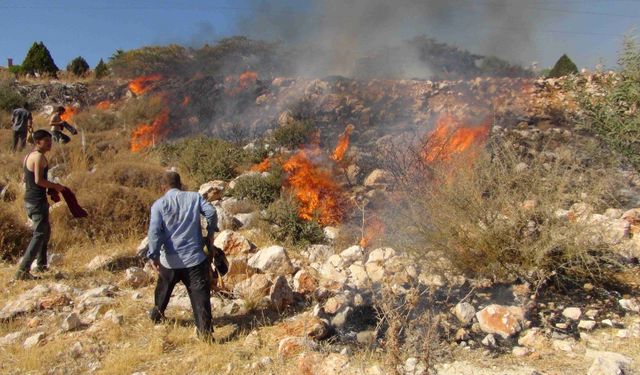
[22,123]
[36,167]
[176,250]
[58,125]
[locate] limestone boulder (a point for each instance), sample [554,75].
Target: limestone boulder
[212,190]
[272,259]
[505,321]
[232,243]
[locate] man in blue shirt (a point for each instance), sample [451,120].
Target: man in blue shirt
[176,250]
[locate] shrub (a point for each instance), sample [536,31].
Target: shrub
[283,214]
[168,60]
[293,134]
[142,109]
[78,66]
[260,190]
[494,220]
[94,119]
[204,159]
[10,98]
[14,235]
[611,112]
[115,213]
[101,70]
[563,67]
[39,61]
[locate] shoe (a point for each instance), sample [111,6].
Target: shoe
[42,269]
[25,275]
[156,316]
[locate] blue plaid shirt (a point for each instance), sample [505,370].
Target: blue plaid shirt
[175,236]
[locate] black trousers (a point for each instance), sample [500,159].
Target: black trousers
[60,137]
[38,212]
[19,140]
[196,279]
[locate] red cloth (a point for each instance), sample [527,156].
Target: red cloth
[71,201]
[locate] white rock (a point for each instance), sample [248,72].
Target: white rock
[232,243]
[99,262]
[607,363]
[381,254]
[630,305]
[212,190]
[11,338]
[489,341]
[281,294]
[34,340]
[564,345]
[71,322]
[352,254]
[519,351]
[464,312]
[572,313]
[413,366]
[331,233]
[587,325]
[319,253]
[272,259]
[136,277]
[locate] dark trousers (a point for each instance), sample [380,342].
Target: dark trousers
[60,137]
[196,279]
[39,214]
[19,140]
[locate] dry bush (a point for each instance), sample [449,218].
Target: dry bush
[115,213]
[95,119]
[492,218]
[141,110]
[14,234]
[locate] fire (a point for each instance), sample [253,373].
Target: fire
[146,135]
[315,188]
[140,85]
[372,230]
[263,166]
[68,113]
[450,137]
[245,81]
[186,101]
[103,105]
[343,144]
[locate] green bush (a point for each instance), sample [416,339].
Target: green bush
[96,120]
[101,70]
[563,67]
[293,134]
[260,190]
[141,110]
[39,61]
[168,60]
[288,226]
[10,98]
[611,112]
[78,66]
[204,159]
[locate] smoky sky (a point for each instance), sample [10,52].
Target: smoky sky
[335,33]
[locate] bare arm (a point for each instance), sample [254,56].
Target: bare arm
[38,172]
[55,120]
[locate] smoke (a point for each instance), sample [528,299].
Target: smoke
[330,36]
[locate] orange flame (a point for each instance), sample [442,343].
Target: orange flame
[146,135]
[103,105]
[374,229]
[68,113]
[450,137]
[140,85]
[315,188]
[263,166]
[343,144]
[244,81]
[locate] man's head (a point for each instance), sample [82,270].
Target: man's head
[25,105]
[42,140]
[171,180]
[60,109]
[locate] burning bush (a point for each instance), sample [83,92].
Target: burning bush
[496,217]
[284,215]
[204,159]
[14,235]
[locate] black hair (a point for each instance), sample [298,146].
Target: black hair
[172,180]
[40,134]
[60,109]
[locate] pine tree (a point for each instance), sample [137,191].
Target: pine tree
[564,66]
[78,66]
[39,61]
[101,70]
